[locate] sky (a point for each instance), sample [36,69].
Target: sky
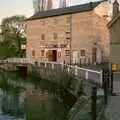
[25,7]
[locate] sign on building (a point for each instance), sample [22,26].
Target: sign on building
[23,46]
[114,67]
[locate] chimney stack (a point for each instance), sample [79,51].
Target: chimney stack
[115,8]
[62,4]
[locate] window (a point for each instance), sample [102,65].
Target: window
[68,36]
[67,52]
[82,52]
[55,21]
[33,53]
[54,36]
[68,28]
[42,52]
[42,37]
[68,19]
[43,23]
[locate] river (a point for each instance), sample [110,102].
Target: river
[30,98]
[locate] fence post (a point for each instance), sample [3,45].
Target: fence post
[62,66]
[52,65]
[68,69]
[101,77]
[105,85]
[45,64]
[86,75]
[76,70]
[94,102]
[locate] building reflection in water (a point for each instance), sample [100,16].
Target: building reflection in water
[43,105]
[31,104]
[37,101]
[12,103]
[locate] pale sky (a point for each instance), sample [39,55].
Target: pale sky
[25,7]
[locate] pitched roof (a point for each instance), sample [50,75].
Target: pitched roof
[113,20]
[67,10]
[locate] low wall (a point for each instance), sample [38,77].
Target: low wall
[69,81]
[68,76]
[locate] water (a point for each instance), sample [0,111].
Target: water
[31,99]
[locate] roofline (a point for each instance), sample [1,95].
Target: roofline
[58,15]
[72,12]
[113,20]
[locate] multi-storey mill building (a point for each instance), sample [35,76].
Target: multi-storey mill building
[76,34]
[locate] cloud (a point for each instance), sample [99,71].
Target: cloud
[25,7]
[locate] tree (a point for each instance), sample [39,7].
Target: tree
[13,31]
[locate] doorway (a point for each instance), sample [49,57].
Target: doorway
[94,55]
[52,55]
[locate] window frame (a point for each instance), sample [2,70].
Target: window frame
[67,52]
[43,23]
[42,53]
[55,21]
[42,36]
[68,19]
[33,53]
[82,52]
[55,36]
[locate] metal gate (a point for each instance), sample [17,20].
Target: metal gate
[116,82]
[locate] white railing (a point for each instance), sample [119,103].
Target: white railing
[85,73]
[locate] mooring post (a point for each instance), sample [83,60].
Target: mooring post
[111,78]
[94,103]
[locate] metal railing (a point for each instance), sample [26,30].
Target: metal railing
[85,73]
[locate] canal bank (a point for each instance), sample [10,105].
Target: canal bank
[75,83]
[39,101]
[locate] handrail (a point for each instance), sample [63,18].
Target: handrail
[87,71]
[29,60]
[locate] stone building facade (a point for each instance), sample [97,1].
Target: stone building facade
[76,34]
[114,29]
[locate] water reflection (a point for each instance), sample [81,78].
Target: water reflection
[41,101]
[11,104]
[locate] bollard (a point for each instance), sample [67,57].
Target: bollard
[105,85]
[94,103]
[111,78]
[105,91]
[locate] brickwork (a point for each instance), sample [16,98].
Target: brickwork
[88,31]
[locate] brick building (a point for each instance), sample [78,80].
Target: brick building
[76,34]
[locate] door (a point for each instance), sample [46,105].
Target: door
[52,55]
[94,55]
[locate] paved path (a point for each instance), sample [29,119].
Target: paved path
[112,111]
[116,82]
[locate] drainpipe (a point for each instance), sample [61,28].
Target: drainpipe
[71,40]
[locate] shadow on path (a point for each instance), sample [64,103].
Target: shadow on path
[112,111]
